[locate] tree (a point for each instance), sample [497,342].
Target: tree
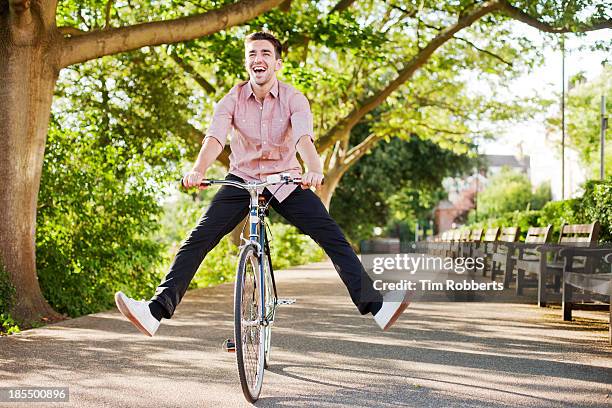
[510,191]
[34,49]
[584,120]
[397,174]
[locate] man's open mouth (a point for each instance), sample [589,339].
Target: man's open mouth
[259,69]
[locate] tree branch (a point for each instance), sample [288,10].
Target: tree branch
[520,15]
[109,6]
[342,5]
[362,148]
[72,31]
[112,41]
[285,6]
[492,54]
[206,86]
[367,105]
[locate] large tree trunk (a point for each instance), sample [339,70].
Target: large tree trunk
[27,80]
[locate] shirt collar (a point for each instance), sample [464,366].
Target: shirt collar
[273,90]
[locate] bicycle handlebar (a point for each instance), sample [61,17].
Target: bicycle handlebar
[283,178]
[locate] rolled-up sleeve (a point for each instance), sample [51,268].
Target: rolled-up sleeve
[222,119]
[301,118]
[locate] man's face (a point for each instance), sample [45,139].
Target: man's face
[260,61]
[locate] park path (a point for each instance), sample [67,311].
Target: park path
[324,355]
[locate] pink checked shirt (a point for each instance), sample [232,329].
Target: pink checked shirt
[264,135]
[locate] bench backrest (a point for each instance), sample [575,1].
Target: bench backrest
[509,234]
[538,235]
[579,233]
[465,235]
[456,235]
[477,234]
[491,235]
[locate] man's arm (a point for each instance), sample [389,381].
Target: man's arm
[310,156]
[210,150]
[213,143]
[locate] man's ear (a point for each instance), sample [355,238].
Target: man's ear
[279,64]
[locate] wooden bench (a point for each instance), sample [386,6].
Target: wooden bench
[474,241]
[501,259]
[546,262]
[587,288]
[486,247]
[529,259]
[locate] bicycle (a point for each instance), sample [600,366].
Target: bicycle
[255,295]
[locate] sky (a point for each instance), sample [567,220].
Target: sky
[547,81]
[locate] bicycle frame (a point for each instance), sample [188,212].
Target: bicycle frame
[258,239]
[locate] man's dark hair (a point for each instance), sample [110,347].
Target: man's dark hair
[263,35]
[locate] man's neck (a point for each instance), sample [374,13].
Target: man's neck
[261,91]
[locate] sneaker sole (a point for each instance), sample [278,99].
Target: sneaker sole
[398,312]
[125,311]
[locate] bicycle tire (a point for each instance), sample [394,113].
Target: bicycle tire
[271,300]
[248,333]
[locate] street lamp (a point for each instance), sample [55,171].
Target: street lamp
[563,117]
[602,136]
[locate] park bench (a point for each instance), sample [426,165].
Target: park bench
[583,288]
[529,259]
[502,257]
[474,240]
[485,248]
[462,244]
[545,263]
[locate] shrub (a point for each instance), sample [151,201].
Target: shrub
[7,297]
[594,205]
[7,292]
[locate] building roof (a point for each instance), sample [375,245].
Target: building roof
[501,160]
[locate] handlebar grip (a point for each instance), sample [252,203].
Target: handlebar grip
[204,183]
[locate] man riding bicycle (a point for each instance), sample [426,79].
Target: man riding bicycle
[271,121]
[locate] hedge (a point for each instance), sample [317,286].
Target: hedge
[594,205]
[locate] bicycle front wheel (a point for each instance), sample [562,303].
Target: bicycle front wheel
[248,332]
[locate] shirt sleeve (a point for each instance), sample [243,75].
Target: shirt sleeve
[222,119]
[301,118]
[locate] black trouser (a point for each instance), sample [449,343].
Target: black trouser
[302,208]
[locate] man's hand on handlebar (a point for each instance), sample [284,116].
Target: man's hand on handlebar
[193,178]
[312,178]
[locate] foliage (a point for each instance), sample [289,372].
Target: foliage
[7,299]
[289,247]
[594,205]
[508,191]
[8,325]
[398,180]
[583,120]
[7,292]
[109,151]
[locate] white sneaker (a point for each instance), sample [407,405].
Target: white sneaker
[137,312]
[391,310]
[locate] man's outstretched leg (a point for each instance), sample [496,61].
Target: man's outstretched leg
[229,206]
[305,210]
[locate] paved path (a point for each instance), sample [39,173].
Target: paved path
[324,355]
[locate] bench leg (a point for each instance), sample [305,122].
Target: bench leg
[566,302]
[542,274]
[508,272]
[520,278]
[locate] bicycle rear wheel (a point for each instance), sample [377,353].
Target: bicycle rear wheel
[248,332]
[270,300]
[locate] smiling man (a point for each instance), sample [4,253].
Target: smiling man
[270,122]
